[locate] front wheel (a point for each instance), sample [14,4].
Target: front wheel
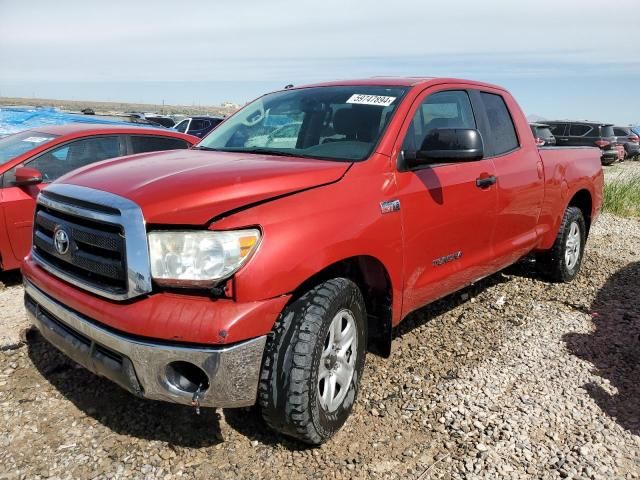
[562,263]
[313,362]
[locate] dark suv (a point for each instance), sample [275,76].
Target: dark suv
[586,134]
[542,134]
[629,140]
[198,126]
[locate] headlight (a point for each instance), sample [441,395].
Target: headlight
[199,258]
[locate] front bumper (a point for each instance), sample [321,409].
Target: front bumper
[142,366]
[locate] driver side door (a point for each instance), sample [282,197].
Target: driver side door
[448,218]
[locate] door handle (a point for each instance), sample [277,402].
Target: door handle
[485,182]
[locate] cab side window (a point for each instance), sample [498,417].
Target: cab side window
[450,109]
[62,160]
[503,132]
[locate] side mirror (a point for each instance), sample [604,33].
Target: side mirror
[27,176]
[449,145]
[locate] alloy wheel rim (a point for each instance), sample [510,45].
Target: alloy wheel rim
[572,246]
[338,360]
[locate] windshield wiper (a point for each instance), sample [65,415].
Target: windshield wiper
[262,151]
[209,149]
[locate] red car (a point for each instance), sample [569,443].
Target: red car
[243,271]
[30,160]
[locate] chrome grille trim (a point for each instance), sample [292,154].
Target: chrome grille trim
[126,214]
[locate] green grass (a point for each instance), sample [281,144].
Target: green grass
[622,196]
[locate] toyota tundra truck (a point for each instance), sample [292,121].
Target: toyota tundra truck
[254,270]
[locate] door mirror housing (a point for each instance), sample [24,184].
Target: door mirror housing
[27,176]
[448,145]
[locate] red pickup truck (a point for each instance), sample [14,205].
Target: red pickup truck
[259,268]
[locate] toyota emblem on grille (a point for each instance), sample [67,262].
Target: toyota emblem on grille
[61,240]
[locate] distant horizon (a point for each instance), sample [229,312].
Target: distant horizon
[140,93]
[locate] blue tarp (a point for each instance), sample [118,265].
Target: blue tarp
[17,119]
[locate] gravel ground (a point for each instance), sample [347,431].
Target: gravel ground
[13,321]
[510,378]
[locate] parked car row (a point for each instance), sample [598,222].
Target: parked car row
[616,143]
[198,126]
[630,141]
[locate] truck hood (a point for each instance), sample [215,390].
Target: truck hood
[191,187]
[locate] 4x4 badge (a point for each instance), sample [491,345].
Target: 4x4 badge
[390,206]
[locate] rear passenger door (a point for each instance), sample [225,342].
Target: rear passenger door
[519,173]
[155,143]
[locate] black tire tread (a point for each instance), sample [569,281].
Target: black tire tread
[551,262]
[288,350]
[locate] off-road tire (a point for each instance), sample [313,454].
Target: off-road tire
[288,388]
[552,263]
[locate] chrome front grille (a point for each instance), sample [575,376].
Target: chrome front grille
[95,252]
[93,239]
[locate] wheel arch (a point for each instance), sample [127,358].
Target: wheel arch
[583,200]
[373,279]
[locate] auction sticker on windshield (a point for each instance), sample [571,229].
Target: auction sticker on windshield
[380,100]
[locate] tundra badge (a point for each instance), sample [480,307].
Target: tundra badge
[390,206]
[447,258]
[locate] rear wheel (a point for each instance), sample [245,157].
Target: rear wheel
[562,263]
[314,361]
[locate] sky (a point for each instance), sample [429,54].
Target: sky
[560,59]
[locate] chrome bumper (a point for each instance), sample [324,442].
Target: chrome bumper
[140,366]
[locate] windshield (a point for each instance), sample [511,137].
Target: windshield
[337,123]
[23,142]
